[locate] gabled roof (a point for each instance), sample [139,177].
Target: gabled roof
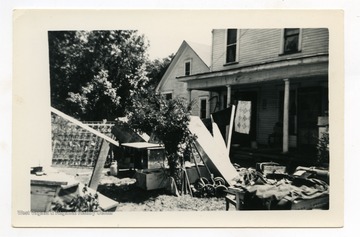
[202,51]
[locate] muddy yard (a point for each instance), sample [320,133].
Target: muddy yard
[132,198]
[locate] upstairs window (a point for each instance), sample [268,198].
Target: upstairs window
[231,45]
[187,68]
[291,40]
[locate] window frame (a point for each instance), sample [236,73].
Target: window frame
[166,94]
[283,41]
[201,109]
[190,67]
[231,44]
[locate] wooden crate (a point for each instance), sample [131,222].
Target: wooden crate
[270,167]
[151,179]
[42,193]
[310,204]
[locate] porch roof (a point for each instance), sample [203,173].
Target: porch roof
[303,67]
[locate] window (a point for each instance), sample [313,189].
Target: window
[168,95]
[187,68]
[231,45]
[291,40]
[202,108]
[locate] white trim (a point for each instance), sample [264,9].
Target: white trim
[238,34]
[282,36]
[212,52]
[171,92]
[167,92]
[300,40]
[232,116]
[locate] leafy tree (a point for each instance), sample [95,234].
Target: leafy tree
[94,73]
[166,119]
[156,69]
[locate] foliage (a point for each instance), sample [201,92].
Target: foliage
[156,69]
[323,148]
[94,73]
[166,119]
[81,203]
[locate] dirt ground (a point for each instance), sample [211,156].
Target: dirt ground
[132,198]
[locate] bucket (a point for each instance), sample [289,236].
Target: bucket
[113,168]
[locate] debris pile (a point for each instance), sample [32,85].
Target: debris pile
[83,202]
[306,188]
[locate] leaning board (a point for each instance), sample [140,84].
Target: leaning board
[218,162]
[74,146]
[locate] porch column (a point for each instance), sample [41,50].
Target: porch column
[286,117]
[189,95]
[228,100]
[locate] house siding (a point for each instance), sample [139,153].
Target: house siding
[179,89]
[262,45]
[218,53]
[315,41]
[258,76]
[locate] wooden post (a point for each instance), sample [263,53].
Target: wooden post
[228,101]
[231,125]
[286,117]
[189,95]
[96,175]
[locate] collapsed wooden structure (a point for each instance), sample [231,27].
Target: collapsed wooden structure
[210,174]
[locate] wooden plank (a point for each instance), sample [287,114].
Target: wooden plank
[207,147]
[230,128]
[84,126]
[140,145]
[96,175]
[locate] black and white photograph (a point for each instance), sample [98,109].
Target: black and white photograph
[218,119]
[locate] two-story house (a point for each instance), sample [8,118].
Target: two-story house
[190,59]
[282,73]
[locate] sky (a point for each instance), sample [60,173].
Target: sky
[162,45]
[167,40]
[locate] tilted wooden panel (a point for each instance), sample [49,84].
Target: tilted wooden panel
[75,146]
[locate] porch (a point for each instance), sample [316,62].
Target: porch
[249,157]
[292,93]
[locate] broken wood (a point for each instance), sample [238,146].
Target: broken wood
[188,182]
[100,162]
[84,126]
[228,143]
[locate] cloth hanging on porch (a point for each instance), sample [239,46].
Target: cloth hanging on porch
[243,117]
[222,119]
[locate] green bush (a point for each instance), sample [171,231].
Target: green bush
[323,149]
[168,121]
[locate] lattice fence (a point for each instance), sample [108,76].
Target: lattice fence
[73,145]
